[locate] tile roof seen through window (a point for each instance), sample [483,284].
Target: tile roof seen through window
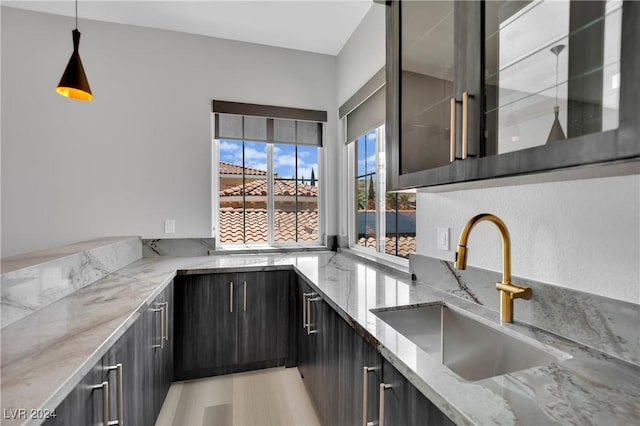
[231,226]
[280,188]
[235,169]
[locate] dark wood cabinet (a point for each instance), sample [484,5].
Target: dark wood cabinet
[162,357]
[226,323]
[476,98]
[357,358]
[404,404]
[83,406]
[137,368]
[263,317]
[205,325]
[336,362]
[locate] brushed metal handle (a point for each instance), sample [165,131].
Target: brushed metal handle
[120,396]
[245,296]
[452,132]
[104,386]
[231,297]
[161,310]
[383,387]
[465,124]
[166,321]
[305,297]
[365,394]
[309,300]
[304,310]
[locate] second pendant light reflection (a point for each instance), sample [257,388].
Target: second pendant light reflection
[556,133]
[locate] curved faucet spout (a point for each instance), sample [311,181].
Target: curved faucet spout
[508,291]
[461,252]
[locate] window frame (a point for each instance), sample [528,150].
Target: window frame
[270,243]
[380,200]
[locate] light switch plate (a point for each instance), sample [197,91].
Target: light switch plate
[170,226]
[443,239]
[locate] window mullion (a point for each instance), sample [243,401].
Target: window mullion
[380,191]
[270,195]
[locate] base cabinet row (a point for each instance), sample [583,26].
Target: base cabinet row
[130,382]
[348,380]
[211,324]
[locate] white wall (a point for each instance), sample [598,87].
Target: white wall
[363,54]
[582,234]
[141,151]
[361,57]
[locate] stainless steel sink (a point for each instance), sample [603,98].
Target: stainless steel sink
[471,349]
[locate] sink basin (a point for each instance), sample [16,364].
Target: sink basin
[471,349]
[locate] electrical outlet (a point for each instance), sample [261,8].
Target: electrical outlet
[443,239]
[170,226]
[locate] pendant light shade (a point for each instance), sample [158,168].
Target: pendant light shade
[74,83]
[556,133]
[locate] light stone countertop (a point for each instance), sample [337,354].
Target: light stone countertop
[46,354]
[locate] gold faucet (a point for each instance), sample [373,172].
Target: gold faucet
[508,291]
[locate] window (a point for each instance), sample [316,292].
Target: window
[267,193]
[385,223]
[267,163]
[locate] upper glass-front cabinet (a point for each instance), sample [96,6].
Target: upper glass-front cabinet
[551,71]
[426,84]
[477,90]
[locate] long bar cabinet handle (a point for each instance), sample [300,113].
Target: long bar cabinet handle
[166,320]
[383,387]
[365,394]
[231,297]
[120,394]
[305,300]
[245,296]
[465,124]
[161,310]
[309,300]
[104,386]
[452,131]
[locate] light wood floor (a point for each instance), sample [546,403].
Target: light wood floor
[275,396]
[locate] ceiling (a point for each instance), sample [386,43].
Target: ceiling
[308,25]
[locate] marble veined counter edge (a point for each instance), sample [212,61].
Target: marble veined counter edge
[33,281]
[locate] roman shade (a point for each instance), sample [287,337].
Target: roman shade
[365,110]
[265,123]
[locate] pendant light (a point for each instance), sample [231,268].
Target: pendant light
[556,133]
[74,83]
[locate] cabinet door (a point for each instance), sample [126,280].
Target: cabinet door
[166,359]
[356,354]
[206,325]
[262,310]
[424,40]
[559,83]
[163,351]
[308,355]
[83,406]
[125,352]
[405,405]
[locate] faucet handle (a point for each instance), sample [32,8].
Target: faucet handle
[515,291]
[508,292]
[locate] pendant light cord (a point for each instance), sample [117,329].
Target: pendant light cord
[76,14]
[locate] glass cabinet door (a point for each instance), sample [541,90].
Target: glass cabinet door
[427,54]
[551,72]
